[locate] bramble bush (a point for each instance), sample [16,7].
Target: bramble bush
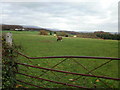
[43,32]
[9,66]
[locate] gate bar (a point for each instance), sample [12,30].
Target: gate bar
[69,72]
[51,80]
[88,57]
[29,84]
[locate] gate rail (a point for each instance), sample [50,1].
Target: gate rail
[88,57]
[68,72]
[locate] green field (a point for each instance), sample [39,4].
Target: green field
[35,45]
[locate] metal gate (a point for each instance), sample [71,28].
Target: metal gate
[68,72]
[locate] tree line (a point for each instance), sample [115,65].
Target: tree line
[97,34]
[107,35]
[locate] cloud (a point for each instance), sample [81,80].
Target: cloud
[48,0]
[80,16]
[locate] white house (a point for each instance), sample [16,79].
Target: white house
[19,29]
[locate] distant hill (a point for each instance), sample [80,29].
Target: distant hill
[11,27]
[114,32]
[30,26]
[21,27]
[37,28]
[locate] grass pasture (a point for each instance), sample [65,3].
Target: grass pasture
[35,45]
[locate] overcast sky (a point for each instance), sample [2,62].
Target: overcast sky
[74,16]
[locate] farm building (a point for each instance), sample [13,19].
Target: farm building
[19,29]
[11,27]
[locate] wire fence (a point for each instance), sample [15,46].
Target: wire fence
[68,72]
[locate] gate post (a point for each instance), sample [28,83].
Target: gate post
[8,38]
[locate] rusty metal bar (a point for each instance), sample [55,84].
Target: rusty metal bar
[96,68]
[52,81]
[55,66]
[22,54]
[69,72]
[88,57]
[93,70]
[99,66]
[81,65]
[29,84]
